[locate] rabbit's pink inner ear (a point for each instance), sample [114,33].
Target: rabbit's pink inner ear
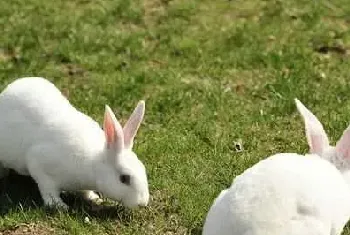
[315,134]
[317,143]
[343,146]
[113,130]
[109,130]
[316,137]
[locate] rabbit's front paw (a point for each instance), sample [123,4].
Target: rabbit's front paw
[92,197]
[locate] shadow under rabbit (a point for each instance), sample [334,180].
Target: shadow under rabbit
[17,191]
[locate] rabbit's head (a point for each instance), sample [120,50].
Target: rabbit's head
[339,155]
[123,177]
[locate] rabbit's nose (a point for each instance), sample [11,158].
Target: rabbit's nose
[144,200]
[143,204]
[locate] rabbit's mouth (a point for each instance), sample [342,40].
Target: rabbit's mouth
[129,204]
[133,203]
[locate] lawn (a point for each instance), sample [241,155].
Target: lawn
[215,74]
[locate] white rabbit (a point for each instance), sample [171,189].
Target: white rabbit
[44,136]
[289,193]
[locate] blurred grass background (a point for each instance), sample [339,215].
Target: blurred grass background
[212,73]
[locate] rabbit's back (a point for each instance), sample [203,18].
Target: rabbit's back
[34,97]
[33,111]
[284,194]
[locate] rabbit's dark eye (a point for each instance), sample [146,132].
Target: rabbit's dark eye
[125,179]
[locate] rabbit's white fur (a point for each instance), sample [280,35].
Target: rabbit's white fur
[289,193]
[44,136]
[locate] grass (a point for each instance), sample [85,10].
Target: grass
[212,73]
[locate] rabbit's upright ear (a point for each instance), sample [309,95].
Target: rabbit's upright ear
[343,146]
[113,130]
[133,124]
[315,134]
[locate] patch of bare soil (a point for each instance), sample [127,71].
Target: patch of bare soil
[154,9]
[32,228]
